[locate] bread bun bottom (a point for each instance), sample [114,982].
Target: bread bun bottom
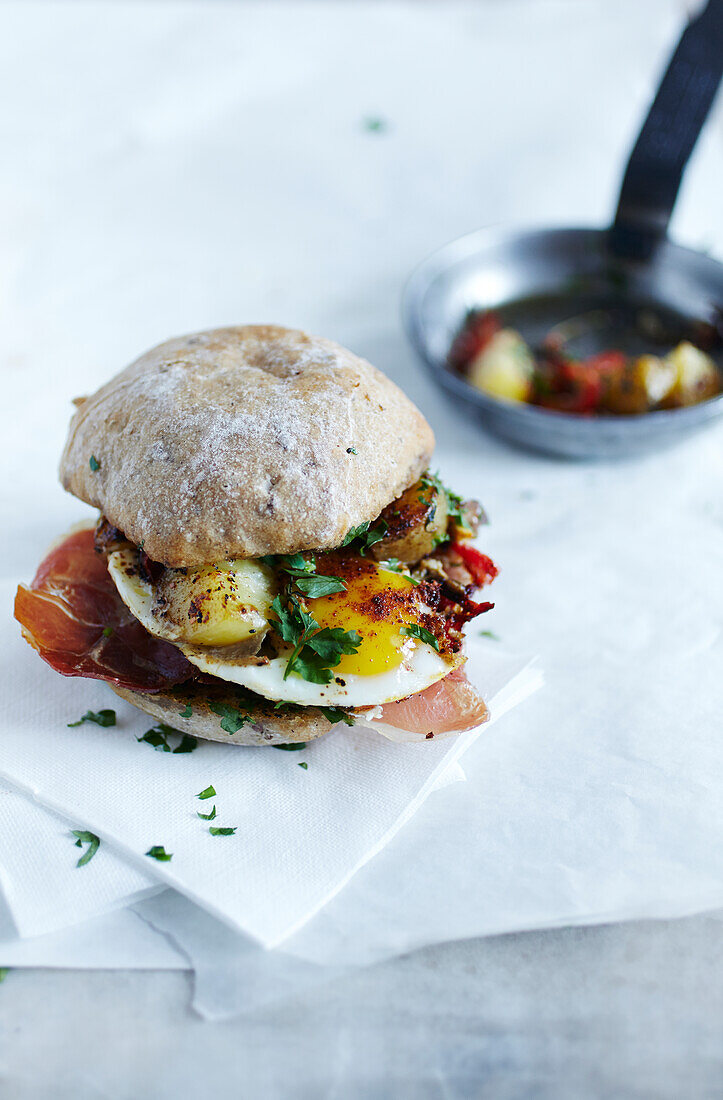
[266,725]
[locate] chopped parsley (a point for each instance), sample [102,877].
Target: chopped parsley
[316,651]
[352,451]
[454,502]
[373,124]
[209,792]
[337,714]
[94,464]
[303,572]
[187,744]
[214,830]
[397,566]
[318,585]
[4,971]
[416,631]
[293,746]
[159,852]
[107,631]
[364,536]
[84,837]
[100,717]
[207,817]
[303,764]
[186,712]
[489,634]
[158,739]
[232,719]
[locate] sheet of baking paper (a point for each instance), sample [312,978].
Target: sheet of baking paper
[300,833]
[84,292]
[42,885]
[600,799]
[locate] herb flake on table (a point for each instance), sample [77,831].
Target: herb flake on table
[159,853]
[100,717]
[4,971]
[374,124]
[157,738]
[489,634]
[209,792]
[207,817]
[303,764]
[293,746]
[84,837]
[225,830]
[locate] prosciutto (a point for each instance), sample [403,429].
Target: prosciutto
[73,616]
[449,706]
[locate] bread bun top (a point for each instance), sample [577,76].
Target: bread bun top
[245,441]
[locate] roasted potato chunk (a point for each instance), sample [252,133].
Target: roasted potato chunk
[640,386]
[217,605]
[696,377]
[504,368]
[416,523]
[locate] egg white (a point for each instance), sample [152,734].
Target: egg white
[420,666]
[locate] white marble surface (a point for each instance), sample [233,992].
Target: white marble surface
[577,1014]
[142,141]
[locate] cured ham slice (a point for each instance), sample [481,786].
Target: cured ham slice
[73,616]
[449,706]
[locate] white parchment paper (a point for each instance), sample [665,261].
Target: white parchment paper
[215,186]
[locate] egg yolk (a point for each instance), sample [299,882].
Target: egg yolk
[376,603]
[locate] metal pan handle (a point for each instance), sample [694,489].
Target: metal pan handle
[669,133]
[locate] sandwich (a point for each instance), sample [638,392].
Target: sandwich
[272,557]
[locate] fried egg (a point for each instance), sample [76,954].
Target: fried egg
[235,597]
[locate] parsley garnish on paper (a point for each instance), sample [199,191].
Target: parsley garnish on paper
[159,852]
[374,124]
[415,631]
[209,792]
[207,817]
[293,746]
[489,634]
[84,837]
[304,765]
[158,739]
[4,971]
[100,717]
[214,830]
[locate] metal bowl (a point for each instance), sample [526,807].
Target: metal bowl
[536,279]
